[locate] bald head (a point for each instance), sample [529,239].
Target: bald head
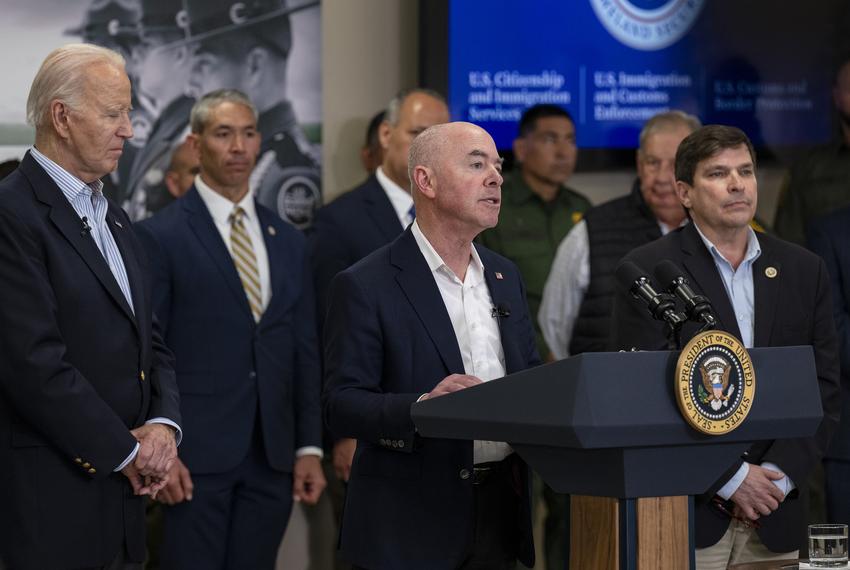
[455,174]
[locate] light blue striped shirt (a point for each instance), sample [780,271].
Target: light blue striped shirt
[741,292]
[90,204]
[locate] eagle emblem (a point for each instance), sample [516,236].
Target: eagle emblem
[715,381]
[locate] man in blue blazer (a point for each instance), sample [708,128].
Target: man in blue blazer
[88,399]
[233,290]
[424,316]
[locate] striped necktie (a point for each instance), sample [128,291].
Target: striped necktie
[245,260]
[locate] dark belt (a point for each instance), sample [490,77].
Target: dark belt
[482,472]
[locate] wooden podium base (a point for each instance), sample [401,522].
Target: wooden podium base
[650,533]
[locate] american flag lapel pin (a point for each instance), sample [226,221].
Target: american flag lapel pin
[117,223]
[272,231]
[499,276]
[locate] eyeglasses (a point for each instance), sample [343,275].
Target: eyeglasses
[728,507]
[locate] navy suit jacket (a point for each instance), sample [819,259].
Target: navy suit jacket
[829,237]
[792,308]
[230,368]
[388,340]
[78,370]
[347,230]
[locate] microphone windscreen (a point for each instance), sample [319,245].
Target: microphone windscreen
[665,272]
[628,272]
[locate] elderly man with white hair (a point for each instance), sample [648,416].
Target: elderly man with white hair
[89,408]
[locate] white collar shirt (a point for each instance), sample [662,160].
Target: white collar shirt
[470,308]
[401,201]
[220,208]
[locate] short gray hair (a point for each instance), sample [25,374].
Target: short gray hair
[203,108]
[394,106]
[62,76]
[668,121]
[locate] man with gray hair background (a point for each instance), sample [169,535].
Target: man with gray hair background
[575,312]
[89,409]
[234,293]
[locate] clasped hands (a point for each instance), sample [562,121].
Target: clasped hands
[148,472]
[758,495]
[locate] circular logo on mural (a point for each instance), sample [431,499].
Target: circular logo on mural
[297,200]
[715,382]
[647,24]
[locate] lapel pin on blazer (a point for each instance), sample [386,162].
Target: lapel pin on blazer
[499,275]
[770,272]
[117,223]
[272,231]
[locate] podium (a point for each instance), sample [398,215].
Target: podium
[605,428]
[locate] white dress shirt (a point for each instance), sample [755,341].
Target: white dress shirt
[565,287]
[220,209]
[399,198]
[470,308]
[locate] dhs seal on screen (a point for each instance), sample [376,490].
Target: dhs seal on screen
[715,383]
[647,24]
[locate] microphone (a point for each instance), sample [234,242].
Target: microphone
[86,227]
[501,310]
[662,306]
[697,307]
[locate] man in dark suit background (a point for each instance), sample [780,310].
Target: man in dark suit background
[766,292]
[829,237]
[420,318]
[88,403]
[372,214]
[233,290]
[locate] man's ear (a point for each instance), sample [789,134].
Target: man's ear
[423,181]
[683,191]
[520,149]
[59,117]
[256,62]
[384,132]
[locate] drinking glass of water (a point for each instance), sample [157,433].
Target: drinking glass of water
[827,545]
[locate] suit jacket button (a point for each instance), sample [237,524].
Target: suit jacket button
[92,470]
[401,443]
[464,474]
[394,443]
[252,375]
[86,465]
[382,441]
[78,460]
[142,375]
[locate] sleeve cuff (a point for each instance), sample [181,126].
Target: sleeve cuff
[727,490]
[309,450]
[130,458]
[178,433]
[786,485]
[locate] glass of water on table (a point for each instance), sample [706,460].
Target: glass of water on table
[828,545]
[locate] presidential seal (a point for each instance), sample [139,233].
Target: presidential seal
[715,383]
[647,25]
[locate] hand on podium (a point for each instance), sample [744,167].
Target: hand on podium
[452,383]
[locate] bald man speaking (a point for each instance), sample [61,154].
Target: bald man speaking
[419,318]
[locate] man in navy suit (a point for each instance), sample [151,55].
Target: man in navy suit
[89,407]
[829,237]
[372,214]
[233,290]
[424,316]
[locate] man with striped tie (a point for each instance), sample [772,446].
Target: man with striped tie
[233,291]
